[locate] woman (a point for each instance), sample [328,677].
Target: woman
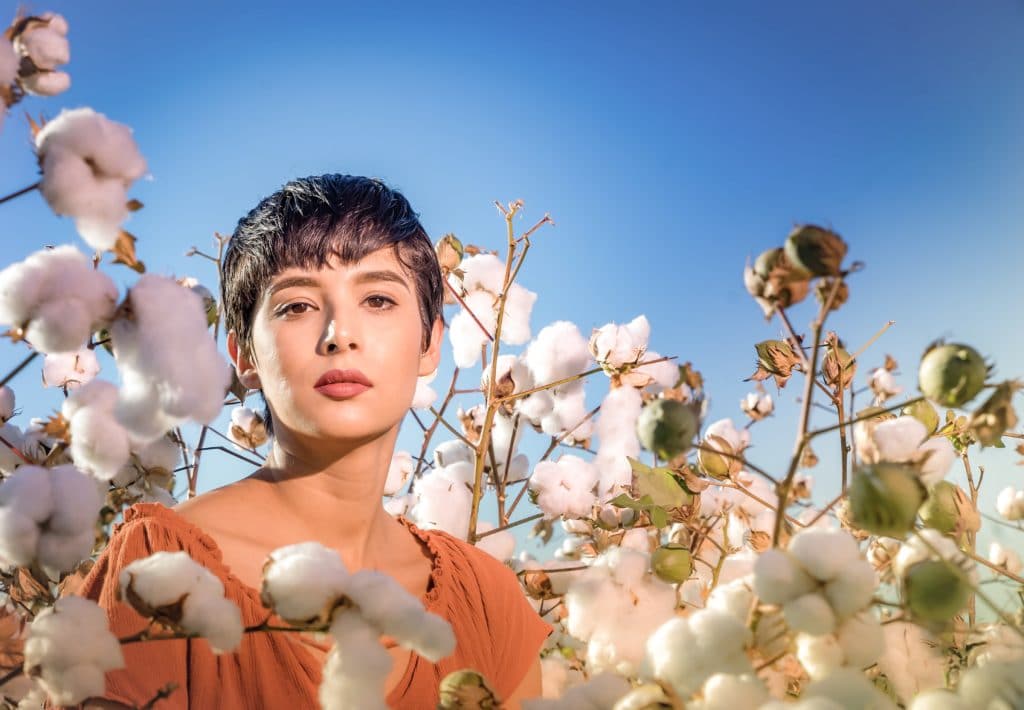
[332,297]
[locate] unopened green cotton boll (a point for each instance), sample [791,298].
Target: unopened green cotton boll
[884,499]
[952,375]
[667,427]
[934,590]
[925,413]
[948,509]
[672,563]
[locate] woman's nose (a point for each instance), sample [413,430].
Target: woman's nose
[337,338]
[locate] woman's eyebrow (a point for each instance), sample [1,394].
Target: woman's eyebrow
[291,282]
[383,275]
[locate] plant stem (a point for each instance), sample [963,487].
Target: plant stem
[19,193]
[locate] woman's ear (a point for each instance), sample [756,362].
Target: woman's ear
[244,366]
[431,357]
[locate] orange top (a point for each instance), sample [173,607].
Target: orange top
[497,632]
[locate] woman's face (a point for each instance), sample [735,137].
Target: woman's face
[363,316]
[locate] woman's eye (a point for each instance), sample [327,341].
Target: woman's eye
[294,308]
[380,303]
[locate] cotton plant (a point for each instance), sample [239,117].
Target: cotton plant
[247,429]
[99,444]
[70,370]
[41,45]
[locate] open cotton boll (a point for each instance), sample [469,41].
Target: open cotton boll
[19,538]
[565,487]
[819,654]
[861,639]
[357,666]
[69,648]
[170,368]
[724,691]
[70,370]
[738,439]
[559,351]
[385,604]
[399,470]
[8,68]
[88,164]
[897,440]
[852,589]
[824,554]
[851,689]
[940,699]
[995,686]
[464,332]
[911,659]
[99,444]
[453,451]
[1010,503]
[425,396]
[936,457]
[58,288]
[500,545]
[778,578]
[483,272]
[177,590]
[442,503]
[614,345]
[247,430]
[809,613]
[303,582]
[686,651]
[1004,557]
[515,325]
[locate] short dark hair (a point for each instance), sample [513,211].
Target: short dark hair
[309,221]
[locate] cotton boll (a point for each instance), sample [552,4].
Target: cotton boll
[483,272]
[247,430]
[993,686]
[852,589]
[824,554]
[441,503]
[663,374]
[99,444]
[70,369]
[559,351]
[1010,503]
[501,545]
[738,439]
[76,500]
[425,395]
[819,654]
[937,456]
[898,440]
[729,692]
[88,164]
[356,667]
[59,552]
[8,66]
[515,326]
[161,385]
[1004,557]
[615,345]
[861,639]
[778,578]
[565,487]
[217,619]
[851,689]
[450,452]
[911,660]
[69,648]
[736,598]
[161,455]
[19,537]
[809,613]
[59,289]
[302,582]
[29,492]
[399,470]
[465,333]
[938,700]
[393,611]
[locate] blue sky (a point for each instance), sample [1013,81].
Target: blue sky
[668,141]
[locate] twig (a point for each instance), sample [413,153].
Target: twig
[20,192]
[19,367]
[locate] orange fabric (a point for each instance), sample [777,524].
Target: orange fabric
[497,632]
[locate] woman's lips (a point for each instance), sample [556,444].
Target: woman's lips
[342,390]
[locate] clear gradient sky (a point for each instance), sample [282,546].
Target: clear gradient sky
[669,141]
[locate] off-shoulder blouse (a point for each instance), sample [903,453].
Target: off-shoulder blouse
[497,631]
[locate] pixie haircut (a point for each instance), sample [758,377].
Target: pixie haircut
[308,222]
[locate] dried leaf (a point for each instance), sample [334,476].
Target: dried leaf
[890,363]
[134,205]
[124,252]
